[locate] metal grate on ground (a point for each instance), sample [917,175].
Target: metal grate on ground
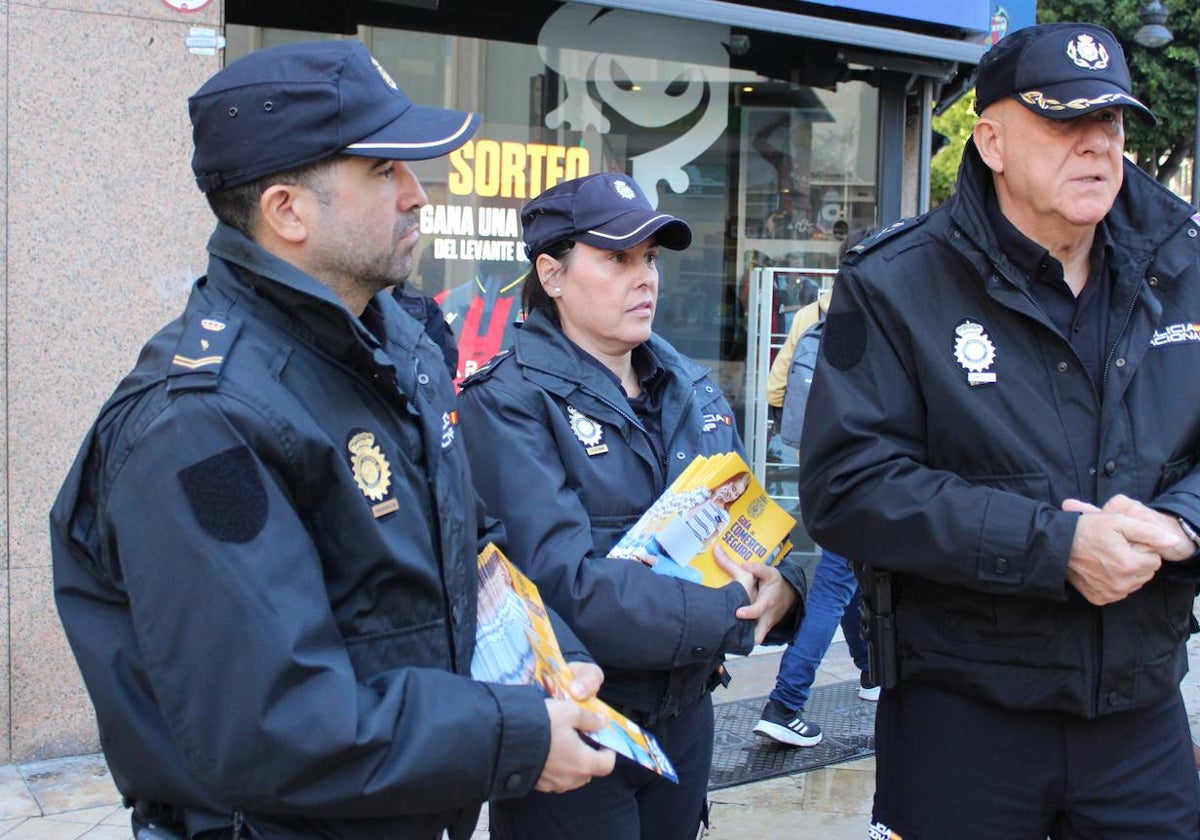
[740,756]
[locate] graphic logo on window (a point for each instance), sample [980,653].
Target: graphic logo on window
[687,79]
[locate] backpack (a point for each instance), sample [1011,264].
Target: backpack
[799,380]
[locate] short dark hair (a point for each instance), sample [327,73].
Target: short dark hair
[238,206]
[533,296]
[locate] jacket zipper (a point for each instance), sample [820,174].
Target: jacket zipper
[1137,294]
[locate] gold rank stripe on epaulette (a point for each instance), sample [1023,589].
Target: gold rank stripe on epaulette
[202,350]
[193,364]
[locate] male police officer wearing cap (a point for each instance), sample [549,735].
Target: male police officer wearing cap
[264,556]
[1005,414]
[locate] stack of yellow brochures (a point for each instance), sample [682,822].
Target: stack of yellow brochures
[515,645]
[715,505]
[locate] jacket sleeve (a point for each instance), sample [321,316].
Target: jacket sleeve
[866,491]
[624,613]
[244,656]
[1182,499]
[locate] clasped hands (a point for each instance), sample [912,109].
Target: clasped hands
[771,597]
[1119,547]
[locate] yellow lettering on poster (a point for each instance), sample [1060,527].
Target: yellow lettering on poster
[507,169]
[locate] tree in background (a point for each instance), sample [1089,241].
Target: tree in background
[955,123]
[1163,78]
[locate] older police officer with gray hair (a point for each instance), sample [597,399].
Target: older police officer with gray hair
[264,556]
[1006,418]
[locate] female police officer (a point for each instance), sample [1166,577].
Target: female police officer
[571,436]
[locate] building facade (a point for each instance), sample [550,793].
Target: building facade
[773,128]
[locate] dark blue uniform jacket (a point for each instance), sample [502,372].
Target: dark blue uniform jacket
[957,487]
[659,639]
[264,560]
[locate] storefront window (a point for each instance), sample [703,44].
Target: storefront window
[770,167]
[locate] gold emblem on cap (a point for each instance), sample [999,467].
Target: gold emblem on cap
[1086,52]
[390,82]
[371,471]
[624,190]
[1040,100]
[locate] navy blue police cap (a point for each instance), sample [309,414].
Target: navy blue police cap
[1059,71]
[291,105]
[607,211]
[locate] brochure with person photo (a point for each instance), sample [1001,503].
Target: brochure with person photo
[515,645]
[716,505]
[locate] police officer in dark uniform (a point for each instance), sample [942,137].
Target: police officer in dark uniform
[571,436]
[264,555]
[1004,418]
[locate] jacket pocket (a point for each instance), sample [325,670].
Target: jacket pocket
[608,530]
[1000,621]
[1173,472]
[423,645]
[1032,485]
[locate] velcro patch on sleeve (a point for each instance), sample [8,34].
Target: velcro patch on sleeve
[845,339]
[227,495]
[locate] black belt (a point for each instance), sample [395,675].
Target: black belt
[645,718]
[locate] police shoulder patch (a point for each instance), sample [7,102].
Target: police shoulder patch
[227,495]
[485,372]
[202,351]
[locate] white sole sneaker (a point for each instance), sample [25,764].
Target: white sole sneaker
[786,736]
[871,694]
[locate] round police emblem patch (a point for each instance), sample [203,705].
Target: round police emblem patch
[974,352]
[1086,52]
[624,190]
[586,430]
[371,471]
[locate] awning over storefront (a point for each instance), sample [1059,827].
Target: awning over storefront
[861,36]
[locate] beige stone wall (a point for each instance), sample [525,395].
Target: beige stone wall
[102,232]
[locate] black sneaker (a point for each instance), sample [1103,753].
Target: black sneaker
[867,689]
[787,726]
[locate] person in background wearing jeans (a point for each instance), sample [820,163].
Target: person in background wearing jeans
[833,597]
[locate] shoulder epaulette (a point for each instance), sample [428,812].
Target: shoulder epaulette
[201,352]
[886,234]
[485,372]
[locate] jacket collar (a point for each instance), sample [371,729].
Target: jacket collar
[295,301]
[541,347]
[1142,218]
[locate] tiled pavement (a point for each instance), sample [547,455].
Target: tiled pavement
[71,798]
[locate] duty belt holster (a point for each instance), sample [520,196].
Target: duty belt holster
[156,821]
[163,821]
[879,623]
